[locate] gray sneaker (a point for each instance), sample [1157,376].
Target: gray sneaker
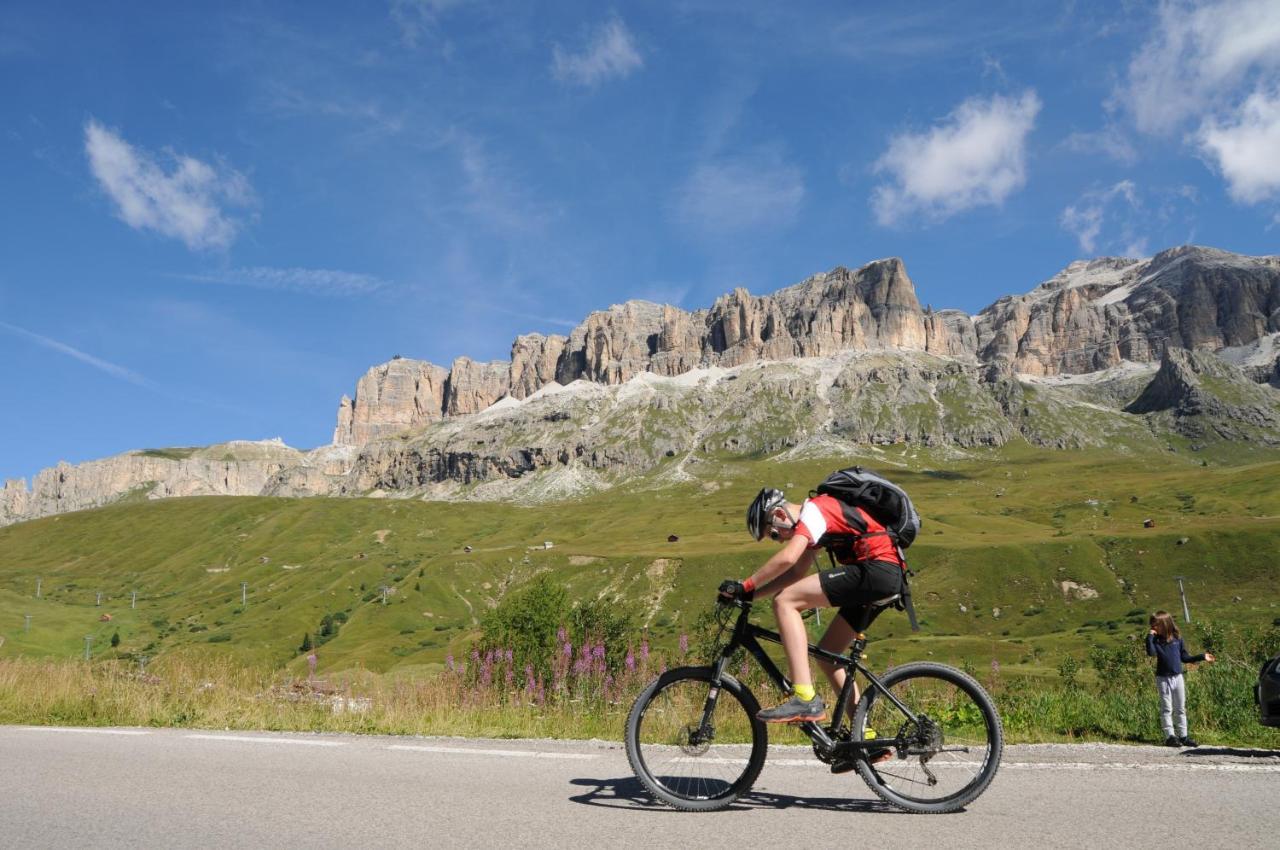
[795,710]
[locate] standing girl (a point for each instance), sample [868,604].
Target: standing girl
[1165,643]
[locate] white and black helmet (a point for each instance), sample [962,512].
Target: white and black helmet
[761,508]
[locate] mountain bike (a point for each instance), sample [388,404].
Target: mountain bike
[925,737]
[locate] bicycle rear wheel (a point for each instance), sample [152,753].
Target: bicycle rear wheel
[681,761]
[954,745]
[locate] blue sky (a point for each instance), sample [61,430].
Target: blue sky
[214,220]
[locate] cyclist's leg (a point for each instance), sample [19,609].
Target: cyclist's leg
[837,639]
[853,587]
[789,606]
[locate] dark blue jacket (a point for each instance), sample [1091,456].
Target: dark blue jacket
[1169,656]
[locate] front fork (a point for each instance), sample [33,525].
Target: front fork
[706,730]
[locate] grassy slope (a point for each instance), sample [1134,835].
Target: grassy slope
[1003,529]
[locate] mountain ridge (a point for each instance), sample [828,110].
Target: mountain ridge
[846,355]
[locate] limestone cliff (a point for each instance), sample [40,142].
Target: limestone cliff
[1201,396]
[391,397]
[238,468]
[1096,314]
[1093,315]
[845,358]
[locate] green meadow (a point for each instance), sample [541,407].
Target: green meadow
[1031,564]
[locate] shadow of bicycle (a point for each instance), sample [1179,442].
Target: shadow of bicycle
[628,793]
[1237,752]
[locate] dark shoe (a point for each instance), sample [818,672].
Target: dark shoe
[1188,742]
[1171,741]
[795,710]
[873,757]
[877,756]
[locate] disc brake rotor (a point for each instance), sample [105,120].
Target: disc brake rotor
[694,741]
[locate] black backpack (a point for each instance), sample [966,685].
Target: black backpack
[887,503]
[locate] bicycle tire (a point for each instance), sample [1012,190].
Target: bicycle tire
[932,683]
[669,766]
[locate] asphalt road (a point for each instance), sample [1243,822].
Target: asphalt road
[176,788]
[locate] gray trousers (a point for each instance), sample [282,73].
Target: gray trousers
[1173,704]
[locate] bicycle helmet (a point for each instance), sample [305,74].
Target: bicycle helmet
[758,514]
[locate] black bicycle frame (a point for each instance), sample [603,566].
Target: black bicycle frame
[748,636]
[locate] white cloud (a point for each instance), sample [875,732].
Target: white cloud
[96,362]
[1246,148]
[742,193]
[611,52]
[1114,207]
[1124,219]
[976,156]
[185,202]
[1199,53]
[307,281]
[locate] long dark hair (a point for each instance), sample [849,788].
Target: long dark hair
[1166,629]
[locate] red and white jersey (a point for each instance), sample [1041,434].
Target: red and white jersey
[851,532]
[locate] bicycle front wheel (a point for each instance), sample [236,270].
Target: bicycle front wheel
[686,758]
[952,747]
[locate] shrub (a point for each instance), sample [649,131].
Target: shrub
[1067,671]
[536,623]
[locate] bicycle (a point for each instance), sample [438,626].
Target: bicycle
[943,736]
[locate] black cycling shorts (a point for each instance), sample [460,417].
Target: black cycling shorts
[855,587]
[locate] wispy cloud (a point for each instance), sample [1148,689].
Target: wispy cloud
[975,157]
[610,52]
[112,369]
[1124,219]
[909,34]
[735,194]
[1198,55]
[185,202]
[489,306]
[1109,141]
[492,196]
[307,281]
[1086,218]
[1246,147]
[373,119]
[416,19]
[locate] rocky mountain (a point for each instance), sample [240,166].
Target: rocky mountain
[1091,316]
[848,357]
[1202,397]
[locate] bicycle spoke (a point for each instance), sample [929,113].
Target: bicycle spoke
[953,746]
[681,756]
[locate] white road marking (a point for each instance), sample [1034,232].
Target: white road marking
[84,730]
[1231,767]
[260,740]
[507,753]
[1161,766]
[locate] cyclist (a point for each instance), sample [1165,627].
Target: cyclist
[869,569]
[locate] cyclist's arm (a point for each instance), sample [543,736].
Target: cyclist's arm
[793,553]
[788,578]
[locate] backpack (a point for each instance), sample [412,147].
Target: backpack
[887,503]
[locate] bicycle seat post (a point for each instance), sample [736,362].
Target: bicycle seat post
[858,646]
